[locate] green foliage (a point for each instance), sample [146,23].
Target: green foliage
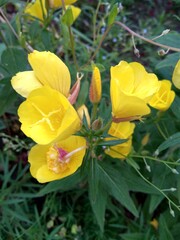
[106,199]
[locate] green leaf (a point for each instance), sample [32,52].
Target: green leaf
[14,60]
[114,183]
[67,17]
[134,182]
[93,179]
[175,107]
[83,93]
[170,142]
[7,95]
[2,2]
[64,184]
[164,232]
[89,68]
[112,142]
[133,236]
[112,15]
[97,195]
[166,67]
[170,39]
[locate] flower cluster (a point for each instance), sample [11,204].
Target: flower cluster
[50,119]
[39,8]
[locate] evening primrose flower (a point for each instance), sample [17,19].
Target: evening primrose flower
[58,160]
[96,86]
[131,89]
[47,116]
[163,99]
[37,9]
[122,130]
[176,75]
[75,11]
[48,70]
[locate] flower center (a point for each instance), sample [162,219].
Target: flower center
[56,160]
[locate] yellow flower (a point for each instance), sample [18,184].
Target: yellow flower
[75,11]
[58,160]
[47,115]
[95,87]
[164,97]
[176,75]
[122,130]
[37,9]
[131,88]
[154,223]
[48,70]
[58,3]
[83,111]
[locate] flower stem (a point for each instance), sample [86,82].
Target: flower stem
[158,189]
[146,39]
[27,46]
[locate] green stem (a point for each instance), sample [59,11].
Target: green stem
[146,39]
[156,159]
[159,190]
[94,112]
[160,131]
[73,48]
[100,43]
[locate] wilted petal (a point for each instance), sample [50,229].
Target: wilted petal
[50,71]
[41,155]
[25,82]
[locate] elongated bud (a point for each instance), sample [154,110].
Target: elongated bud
[145,139]
[97,124]
[74,92]
[83,111]
[95,87]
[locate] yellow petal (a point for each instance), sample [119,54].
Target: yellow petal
[145,84]
[125,106]
[96,86]
[25,82]
[83,111]
[58,3]
[120,151]
[50,71]
[122,130]
[38,158]
[163,99]
[47,115]
[75,11]
[176,75]
[124,77]
[37,9]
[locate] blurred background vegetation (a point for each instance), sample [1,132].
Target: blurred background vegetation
[29,210]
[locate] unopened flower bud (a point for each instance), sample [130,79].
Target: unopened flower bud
[97,124]
[83,111]
[95,87]
[136,52]
[145,139]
